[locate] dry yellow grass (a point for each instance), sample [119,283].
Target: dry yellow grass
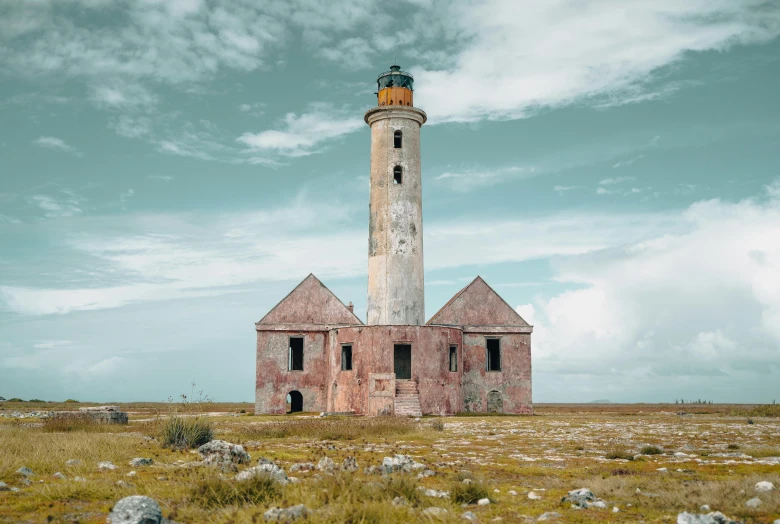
[550,454]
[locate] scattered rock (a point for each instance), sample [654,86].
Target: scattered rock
[122,484]
[270,469]
[162,477]
[305,466]
[131,474]
[137,509]
[138,462]
[350,464]
[533,495]
[60,476]
[426,473]
[753,503]
[106,466]
[223,454]
[710,518]
[483,502]
[25,471]
[764,486]
[79,479]
[512,492]
[73,462]
[615,509]
[4,487]
[549,515]
[599,504]
[705,508]
[287,514]
[326,465]
[403,463]
[662,470]
[436,493]
[400,501]
[469,516]
[584,498]
[373,470]
[467,481]
[435,512]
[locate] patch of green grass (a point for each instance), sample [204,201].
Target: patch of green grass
[217,492]
[651,450]
[181,432]
[619,453]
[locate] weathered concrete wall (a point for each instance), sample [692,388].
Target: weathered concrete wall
[513,382]
[310,303]
[274,381]
[395,248]
[372,353]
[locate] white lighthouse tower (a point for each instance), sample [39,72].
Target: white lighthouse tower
[395,244]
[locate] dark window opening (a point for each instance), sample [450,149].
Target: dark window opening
[295,362]
[453,358]
[402,361]
[494,354]
[398,175]
[346,357]
[397,139]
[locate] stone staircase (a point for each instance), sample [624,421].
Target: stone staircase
[407,399]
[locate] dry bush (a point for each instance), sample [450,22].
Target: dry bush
[349,428]
[763,452]
[66,422]
[470,493]
[217,492]
[185,432]
[651,450]
[437,425]
[618,453]
[762,410]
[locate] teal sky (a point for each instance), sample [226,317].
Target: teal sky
[169,170]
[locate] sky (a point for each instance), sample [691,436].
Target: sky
[169,170]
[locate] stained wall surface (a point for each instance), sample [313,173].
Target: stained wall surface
[477,305]
[273,379]
[372,353]
[310,303]
[513,382]
[395,248]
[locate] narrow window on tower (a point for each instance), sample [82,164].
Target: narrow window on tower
[295,357]
[397,139]
[493,354]
[453,358]
[346,357]
[397,175]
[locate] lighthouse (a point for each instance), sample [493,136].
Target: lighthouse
[396,291]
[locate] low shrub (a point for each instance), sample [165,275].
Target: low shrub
[402,486]
[36,400]
[185,432]
[763,452]
[67,422]
[619,453]
[469,493]
[762,410]
[732,446]
[71,401]
[216,492]
[15,399]
[651,450]
[437,425]
[336,428]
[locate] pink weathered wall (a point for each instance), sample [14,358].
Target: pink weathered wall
[372,352]
[310,303]
[513,381]
[477,305]
[274,381]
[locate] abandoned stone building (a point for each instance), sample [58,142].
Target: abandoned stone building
[314,354]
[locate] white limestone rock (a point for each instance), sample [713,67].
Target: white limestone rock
[471,517]
[753,503]
[403,463]
[326,465]
[140,461]
[483,502]
[270,469]
[137,509]
[25,471]
[220,452]
[304,466]
[715,517]
[287,514]
[106,466]
[764,486]
[350,465]
[60,476]
[534,496]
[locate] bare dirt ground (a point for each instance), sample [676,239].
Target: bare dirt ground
[666,459]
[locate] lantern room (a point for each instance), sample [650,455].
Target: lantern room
[395,88]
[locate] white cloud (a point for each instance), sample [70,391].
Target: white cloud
[122,96]
[563,189]
[616,180]
[703,301]
[627,162]
[124,196]
[162,178]
[511,58]
[465,181]
[55,144]
[302,134]
[66,203]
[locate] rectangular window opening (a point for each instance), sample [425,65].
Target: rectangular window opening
[346,357]
[295,362]
[397,139]
[453,358]
[493,354]
[397,175]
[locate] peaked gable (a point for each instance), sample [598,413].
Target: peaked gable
[310,303]
[477,305]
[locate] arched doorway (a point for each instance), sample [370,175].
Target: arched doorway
[294,402]
[495,402]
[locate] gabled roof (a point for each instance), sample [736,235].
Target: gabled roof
[310,303]
[477,305]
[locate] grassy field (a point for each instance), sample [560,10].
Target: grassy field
[711,455]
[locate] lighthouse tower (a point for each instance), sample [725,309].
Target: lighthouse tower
[395,237]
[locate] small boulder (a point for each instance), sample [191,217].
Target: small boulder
[139,461]
[549,515]
[286,514]
[715,517]
[753,503]
[131,474]
[471,517]
[136,509]
[436,493]
[305,466]
[403,463]
[615,509]
[764,486]
[4,487]
[25,471]
[705,508]
[60,476]
[222,453]
[483,502]
[435,512]
[400,501]
[350,464]
[73,463]
[534,496]
[106,466]
[326,464]
[272,470]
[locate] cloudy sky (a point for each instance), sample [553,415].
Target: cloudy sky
[170,169]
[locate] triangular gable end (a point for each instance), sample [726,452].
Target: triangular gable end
[310,303]
[477,305]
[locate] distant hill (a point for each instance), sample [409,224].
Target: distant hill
[600,401]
